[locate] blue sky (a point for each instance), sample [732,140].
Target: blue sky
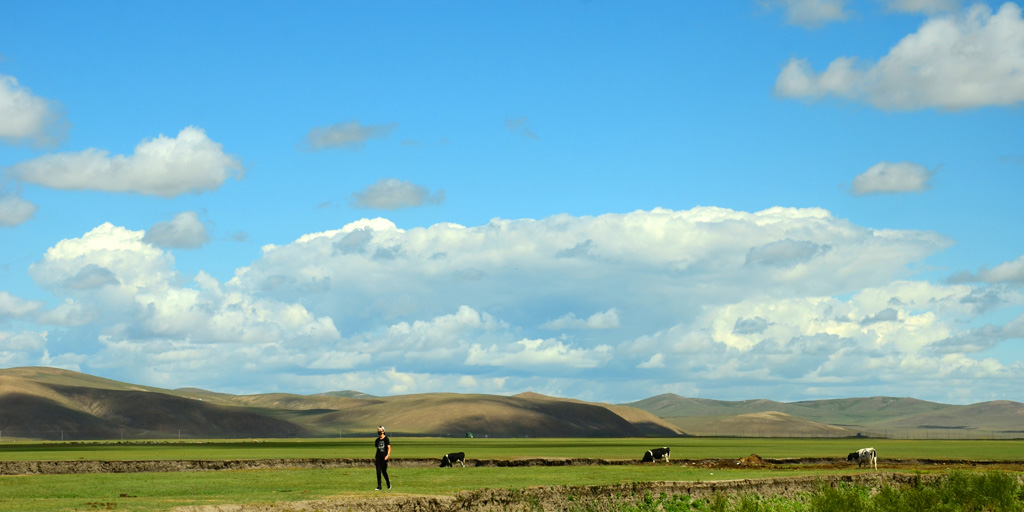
[775,199]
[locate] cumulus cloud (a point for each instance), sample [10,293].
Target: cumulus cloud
[656,361]
[393,194]
[16,307]
[528,354]
[22,348]
[604,320]
[162,166]
[29,119]
[522,262]
[810,13]
[350,135]
[951,62]
[785,253]
[452,306]
[1005,272]
[133,285]
[15,210]
[980,338]
[891,178]
[184,231]
[830,342]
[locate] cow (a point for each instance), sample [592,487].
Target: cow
[864,456]
[654,454]
[451,458]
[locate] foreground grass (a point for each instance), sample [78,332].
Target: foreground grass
[606,448]
[957,492]
[161,491]
[144,492]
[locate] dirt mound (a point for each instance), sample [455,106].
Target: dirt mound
[753,460]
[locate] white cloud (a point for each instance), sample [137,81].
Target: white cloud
[889,177]
[1005,272]
[953,63]
[811,13]
[25,348]
[906,329]
[23,341]
[718,300]
[27,118]
[133,286]
[16,307]
[184,231]
[350,135]
[603,320]
[15,210]
[340,361]
[1008,271]
[656,361]
[393,194]
[163,166]
[528,354]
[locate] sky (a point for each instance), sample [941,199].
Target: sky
[780,199]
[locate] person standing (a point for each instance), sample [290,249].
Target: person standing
[382,455]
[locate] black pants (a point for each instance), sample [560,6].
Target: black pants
[382,468]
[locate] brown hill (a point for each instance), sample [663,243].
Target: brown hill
[901,417]
[759,424]
[49,403]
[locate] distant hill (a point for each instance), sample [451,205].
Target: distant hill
[50,403]
[871,416]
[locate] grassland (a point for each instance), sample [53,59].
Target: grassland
[504,448]
[162,491]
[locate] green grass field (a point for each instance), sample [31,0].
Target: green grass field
[602,448]
[162,491]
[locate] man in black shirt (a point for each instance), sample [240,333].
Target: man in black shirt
[383,453]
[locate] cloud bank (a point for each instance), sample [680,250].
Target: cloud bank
[952,62]
[709,300]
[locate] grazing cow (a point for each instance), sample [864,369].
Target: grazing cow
[864,456]
[451,458]
[654,454]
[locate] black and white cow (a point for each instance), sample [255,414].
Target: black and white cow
[654,454]
[451,458]
[864,456]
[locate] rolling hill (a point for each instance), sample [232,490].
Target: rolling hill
[50,403]
[870,416]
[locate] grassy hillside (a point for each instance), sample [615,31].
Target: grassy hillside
[48,403]
[874,416]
